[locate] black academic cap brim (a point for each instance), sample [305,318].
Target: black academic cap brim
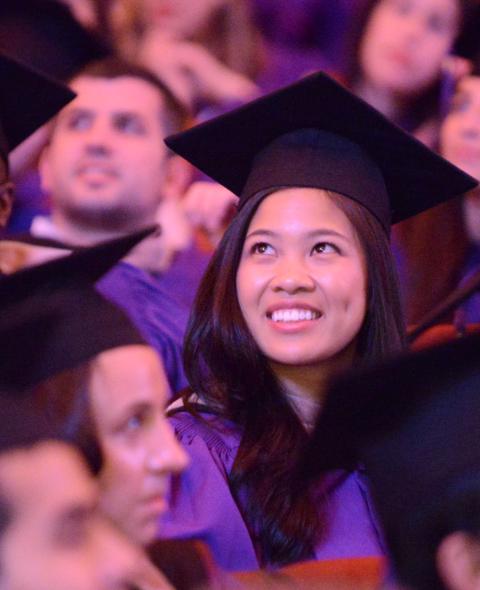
[53,319]
[28,99]
[226,148]
[85,265]
[412,423]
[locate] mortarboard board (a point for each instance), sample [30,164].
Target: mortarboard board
[412,422]
[52,318]
[315,133]
[28,99]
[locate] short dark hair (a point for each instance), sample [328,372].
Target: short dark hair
[415,539]
[176,116]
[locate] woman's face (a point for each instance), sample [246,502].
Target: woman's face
[301,282]
[460,132]
[460,143]
[181,19]
[405,42]
[128,392]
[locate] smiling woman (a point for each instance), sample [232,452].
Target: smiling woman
[304,286]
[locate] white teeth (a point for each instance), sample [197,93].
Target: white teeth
[294,315]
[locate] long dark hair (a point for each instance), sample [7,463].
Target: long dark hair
[227,370]
[422,107]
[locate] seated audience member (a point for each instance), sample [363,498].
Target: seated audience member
[419,448]
[397,62]
[43,35]
[305,286]
[103,387]
[52,534]
[108,172]
[22,91]
[460,143]
[207,52]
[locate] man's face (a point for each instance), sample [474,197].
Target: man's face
[55,539]
[106,164]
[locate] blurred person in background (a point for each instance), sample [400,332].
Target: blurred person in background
[44,35]
[55,318]
[108,172]
[54,538]
[208,52]
[460,143]
[400,61]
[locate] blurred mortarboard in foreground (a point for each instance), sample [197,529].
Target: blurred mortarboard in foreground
[414,423]
[53,319]
[317,134]
[27,100]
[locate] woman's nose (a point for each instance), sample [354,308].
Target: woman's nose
[166,454]
[292,276]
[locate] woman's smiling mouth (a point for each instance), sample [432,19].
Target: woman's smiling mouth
[293,315]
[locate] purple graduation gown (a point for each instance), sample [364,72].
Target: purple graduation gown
[202,506]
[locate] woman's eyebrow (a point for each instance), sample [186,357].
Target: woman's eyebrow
[262,232]
[311,234]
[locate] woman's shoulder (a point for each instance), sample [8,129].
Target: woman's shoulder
[204,428]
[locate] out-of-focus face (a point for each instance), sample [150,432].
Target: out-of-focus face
[301,282]
[128,396]
[460,143]
[460,132]
[180,18]
[405,42]
[106,164]
[56,539]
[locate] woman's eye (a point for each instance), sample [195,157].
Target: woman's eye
[324,248]
[133,423]
[261,248]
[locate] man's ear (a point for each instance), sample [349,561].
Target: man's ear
[458,561]
[178,176]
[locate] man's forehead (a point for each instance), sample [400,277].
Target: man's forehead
[121,93]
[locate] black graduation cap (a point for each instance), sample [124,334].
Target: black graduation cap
[52,318]
[315,133]
[412,422]
[28,99]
